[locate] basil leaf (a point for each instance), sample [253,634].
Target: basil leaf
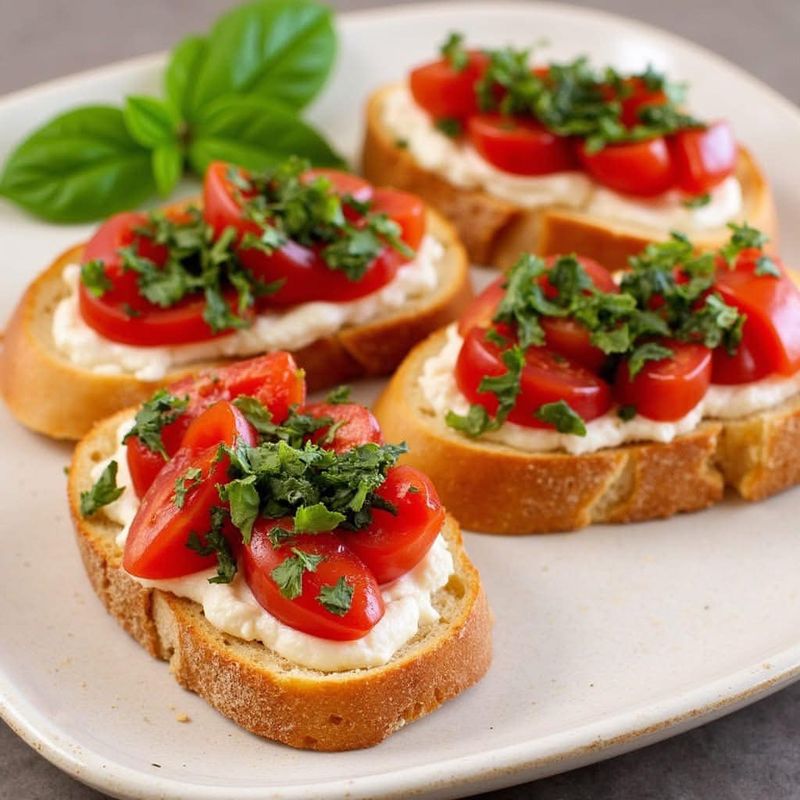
[78,167]
[316,519]
[281,50]
[150,121]
[104,491]
[337,597]
[562,417]
[180,77]
[243,498]
[256,135]
[167,164]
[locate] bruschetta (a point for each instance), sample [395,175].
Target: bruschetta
[559,158]
[563,397]
[346,276]
[275,554]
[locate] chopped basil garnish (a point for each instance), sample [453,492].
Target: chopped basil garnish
[336,598]
[561,416]
[288,575]
[160,410]
[104,491]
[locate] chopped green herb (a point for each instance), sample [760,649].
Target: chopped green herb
[242,496]
[561,416]
[277,535]
[160,410]
[316,519]
[506,387]
[401,144]
[453,50]
[336,598]
[475,422]
[288,575]
[698,201]
[626,413]
[449,126]
[215,543]
[766,266]
[94,278]
[649,351]
[104,491]
[339,395]
[742,237]
[184,483]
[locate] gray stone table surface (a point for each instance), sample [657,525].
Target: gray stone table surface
[751,754]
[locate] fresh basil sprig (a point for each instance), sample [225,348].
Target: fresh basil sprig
[233,95]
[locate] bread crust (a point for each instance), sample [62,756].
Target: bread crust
[51,395]
[263,693]
[496,231]
[494,488]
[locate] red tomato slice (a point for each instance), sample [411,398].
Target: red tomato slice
[703,157]
[643,169]
[406,209]
[274,379]
[668,389]
[304,275]
[222,423]
[119,315]
[306,613]
[520,146]
[358,425]
[392,544]
[571,340]
[445,92]
[481,310]
[122,314]
[546,378]
[771,330]
[156,545]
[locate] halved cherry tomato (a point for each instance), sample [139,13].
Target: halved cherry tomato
[520,146]
[639,168]
[305,612]
[546,378]
[406,209]
[744,366]
[703,157]
[121,313]
[445,92]
[221,423]
[301,269]
[273,379]
[120,231]
[392,544]
[356,425]
[667,389]
[569,338]
[771,331]
[156,545]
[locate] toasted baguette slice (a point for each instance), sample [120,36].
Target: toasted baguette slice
[263,692]
[48,393]
[494,488]
[496,231]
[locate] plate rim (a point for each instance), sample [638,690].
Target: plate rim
[504,766]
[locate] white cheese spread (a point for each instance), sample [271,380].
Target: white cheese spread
[461,165]
[290,329]
[441,393]
[233,609]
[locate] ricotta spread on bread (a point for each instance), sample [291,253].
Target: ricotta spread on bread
[441,394]
[461,165]
[290,329]
[233,609]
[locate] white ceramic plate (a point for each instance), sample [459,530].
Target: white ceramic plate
[605,640]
